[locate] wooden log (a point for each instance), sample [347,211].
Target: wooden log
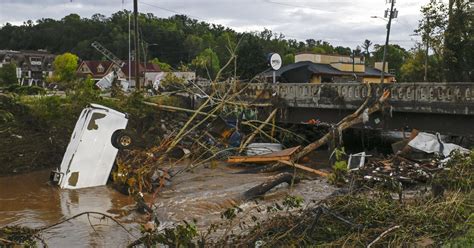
[302,167]
[349,122]
[263,188]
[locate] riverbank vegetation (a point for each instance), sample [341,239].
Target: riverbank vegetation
[35,129]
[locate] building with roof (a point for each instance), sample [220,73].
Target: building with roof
[321,68]
[98,69]
[33,67]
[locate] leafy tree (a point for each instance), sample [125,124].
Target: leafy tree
[65,66]
[431,28]
[207,61]
[8,74]
[343,50]
[366,46]
[251,57]
[459,44]
[163,66]
[413,68]
[288,59]
[396,56]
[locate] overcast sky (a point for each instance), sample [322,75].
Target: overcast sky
[341,22]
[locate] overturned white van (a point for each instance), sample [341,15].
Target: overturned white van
[90,155]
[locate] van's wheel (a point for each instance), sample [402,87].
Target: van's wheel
[122,139]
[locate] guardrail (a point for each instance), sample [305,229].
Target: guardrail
[453,98]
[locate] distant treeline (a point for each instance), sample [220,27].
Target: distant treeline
[183,41]
[176,40]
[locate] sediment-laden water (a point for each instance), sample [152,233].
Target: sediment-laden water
[202,194]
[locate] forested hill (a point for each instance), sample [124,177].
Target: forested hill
[180,40]
[175,40]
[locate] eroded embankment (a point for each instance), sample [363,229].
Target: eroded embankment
[31,138]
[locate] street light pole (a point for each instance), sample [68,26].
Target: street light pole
[391,15]
[137,50]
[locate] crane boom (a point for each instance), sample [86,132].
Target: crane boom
[108,54]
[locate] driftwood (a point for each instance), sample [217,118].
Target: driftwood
[382,234]
[346,123]
[263,188]
[302,167]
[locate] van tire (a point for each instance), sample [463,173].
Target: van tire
[122,139]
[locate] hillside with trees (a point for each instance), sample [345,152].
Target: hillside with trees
[182,41]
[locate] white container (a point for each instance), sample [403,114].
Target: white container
[89,157]
[262,148]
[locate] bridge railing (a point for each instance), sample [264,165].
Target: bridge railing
[455,98]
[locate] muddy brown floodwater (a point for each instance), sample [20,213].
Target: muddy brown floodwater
[203,194]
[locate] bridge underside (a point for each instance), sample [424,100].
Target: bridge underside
[448,124]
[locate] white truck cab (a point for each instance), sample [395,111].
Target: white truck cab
[90,154]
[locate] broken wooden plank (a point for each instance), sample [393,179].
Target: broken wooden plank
[271,157]
[302,167]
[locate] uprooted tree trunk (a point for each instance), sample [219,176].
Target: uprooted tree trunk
[263,188]
[347,122]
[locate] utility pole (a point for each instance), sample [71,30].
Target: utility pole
[391,15]
[425,78]
[137,50]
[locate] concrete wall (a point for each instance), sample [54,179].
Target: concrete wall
[378,66]
[324,58]
[376,80]
[347,67]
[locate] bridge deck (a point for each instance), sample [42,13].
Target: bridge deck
[440,107]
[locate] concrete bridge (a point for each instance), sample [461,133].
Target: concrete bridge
[447,108]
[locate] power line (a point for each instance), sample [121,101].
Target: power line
[292,5]
[173,11]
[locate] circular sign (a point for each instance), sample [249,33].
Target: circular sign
[275,61]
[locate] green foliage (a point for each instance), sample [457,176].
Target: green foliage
[85,92]
[459,45]
[179,236]
[8,75]
[172,82]
[288,59]
[25,90]
[459,174]
[291,202]
[231,213]
[207,61]
[413,70]
[396,56]
[466,240]
[65,66]
[433,24]
[339,169]
[23,236]
[163,66]
[355,220]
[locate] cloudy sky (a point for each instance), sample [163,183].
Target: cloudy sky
[341,22]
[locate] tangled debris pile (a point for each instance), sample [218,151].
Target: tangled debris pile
[422,157]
